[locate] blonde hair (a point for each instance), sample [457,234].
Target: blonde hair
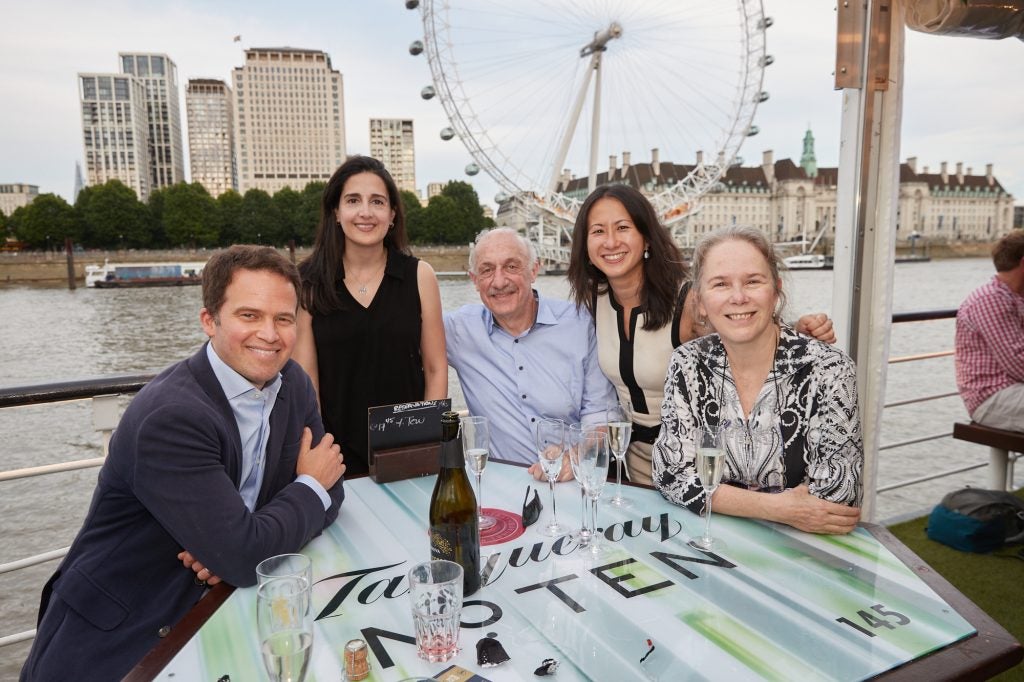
[742,233]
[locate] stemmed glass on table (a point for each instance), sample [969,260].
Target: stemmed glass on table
[620,426]
[550,451]
[710,464]
[476,442]
[592,473]
[576,432]
[285,623]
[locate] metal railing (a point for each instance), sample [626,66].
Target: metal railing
[104,393]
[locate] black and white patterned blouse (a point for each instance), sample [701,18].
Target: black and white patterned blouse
[804,426]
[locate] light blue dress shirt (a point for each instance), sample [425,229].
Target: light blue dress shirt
[551,370]
[252,407]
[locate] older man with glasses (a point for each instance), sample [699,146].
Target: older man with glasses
[521,357]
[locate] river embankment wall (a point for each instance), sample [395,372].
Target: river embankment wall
[43,267]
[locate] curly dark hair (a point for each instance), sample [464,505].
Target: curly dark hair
[663,272]
[324,267]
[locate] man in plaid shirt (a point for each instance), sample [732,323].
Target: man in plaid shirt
[990,341]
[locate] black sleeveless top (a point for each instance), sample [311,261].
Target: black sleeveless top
[369,356]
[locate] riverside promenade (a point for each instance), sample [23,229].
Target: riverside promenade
[51,267]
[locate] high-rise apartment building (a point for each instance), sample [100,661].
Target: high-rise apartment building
[159,76]
[16,195]
[211,135]
[289,118]
[115,130]
[391,142]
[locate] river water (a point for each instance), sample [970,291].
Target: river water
[52,334]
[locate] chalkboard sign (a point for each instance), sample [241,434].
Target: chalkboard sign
[396,426]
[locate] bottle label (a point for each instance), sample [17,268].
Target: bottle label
[458,543]
[454,542]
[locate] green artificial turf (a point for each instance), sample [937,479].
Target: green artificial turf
[995,582]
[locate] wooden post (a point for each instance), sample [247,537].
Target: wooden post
[71,262]
[291,249]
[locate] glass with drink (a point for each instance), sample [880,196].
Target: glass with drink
[285,625]
[476,442]
[435,590]
[710,465]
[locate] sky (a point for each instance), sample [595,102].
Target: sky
[962,100]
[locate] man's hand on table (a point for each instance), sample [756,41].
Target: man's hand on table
[325,462]
[203,574]
[564,475]
[812,514]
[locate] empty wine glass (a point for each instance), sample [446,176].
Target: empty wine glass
[476,442]
[620,426]
[710,465]
[285,625]
[550,451]
[593,468]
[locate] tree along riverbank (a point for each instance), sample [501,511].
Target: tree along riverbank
[47,267]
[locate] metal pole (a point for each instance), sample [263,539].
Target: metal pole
[595,125]
[574,117]
[869,70]
[69,249]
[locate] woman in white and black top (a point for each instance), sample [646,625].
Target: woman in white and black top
[630,275]
[789,403]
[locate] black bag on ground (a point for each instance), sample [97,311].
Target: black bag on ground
[976,520]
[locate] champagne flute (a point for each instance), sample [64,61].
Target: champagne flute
[620,426]
[710,466]
[285,627]
[576,432]
[594,451]
[550,451]
[476,442]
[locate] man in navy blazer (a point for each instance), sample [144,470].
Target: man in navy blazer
[210,471]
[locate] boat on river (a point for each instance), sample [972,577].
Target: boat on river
[133,275]
[808,261]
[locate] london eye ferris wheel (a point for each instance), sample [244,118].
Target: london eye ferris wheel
[538,90]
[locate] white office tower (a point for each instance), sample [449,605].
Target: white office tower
[115,130]
[289,118]
[211,135]
[391,142]
[159,75]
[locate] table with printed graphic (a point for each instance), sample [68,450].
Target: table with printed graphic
[771,603]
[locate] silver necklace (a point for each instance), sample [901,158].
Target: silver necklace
[363,288]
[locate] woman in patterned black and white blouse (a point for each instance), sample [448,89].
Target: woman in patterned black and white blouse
[788,403]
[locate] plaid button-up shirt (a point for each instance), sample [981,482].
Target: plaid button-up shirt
[989,342]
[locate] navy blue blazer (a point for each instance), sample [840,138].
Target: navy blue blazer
[170,483]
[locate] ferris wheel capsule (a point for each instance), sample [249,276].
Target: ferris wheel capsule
[447,133]
[501,197]
[762,96]
[428,92]
[415,47]
[753,130]
[766,60]
[412,4]
[766,22]
[472,169]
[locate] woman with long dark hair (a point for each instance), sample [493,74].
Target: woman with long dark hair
[628,272]
[370,327]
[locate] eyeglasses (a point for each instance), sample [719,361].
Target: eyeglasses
[531,509]
[488,271]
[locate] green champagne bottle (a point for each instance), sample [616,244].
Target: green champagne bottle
[454,528]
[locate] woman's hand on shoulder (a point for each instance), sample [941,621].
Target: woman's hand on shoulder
[817,325]
[802,510]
